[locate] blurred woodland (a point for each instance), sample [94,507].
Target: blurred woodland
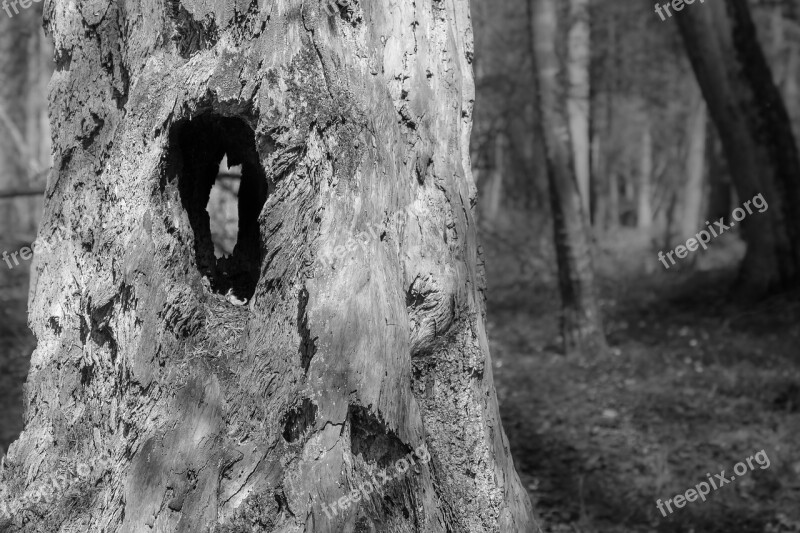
[602,136]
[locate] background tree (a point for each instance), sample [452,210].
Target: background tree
[756,134]
[579,55]
[582,326]
[694,189]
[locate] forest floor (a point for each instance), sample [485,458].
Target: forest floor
[693,384]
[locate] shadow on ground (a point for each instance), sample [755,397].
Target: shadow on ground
[694,384]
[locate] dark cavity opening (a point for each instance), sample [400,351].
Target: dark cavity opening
[372,440]
[297,421]
[197,147]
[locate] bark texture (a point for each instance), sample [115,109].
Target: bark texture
[753,124]
[226,417]
[582,326]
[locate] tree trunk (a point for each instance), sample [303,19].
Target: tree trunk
[582,326]
[644,203]
[720,191]
[579,96]
[694,188]
[599,188]
[494,196]
[756,134]
[784,47]
[790,86]
[610,161]
[613,200]
[361,345]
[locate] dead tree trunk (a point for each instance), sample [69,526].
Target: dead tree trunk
[582,326]
[361,346]
[756,134]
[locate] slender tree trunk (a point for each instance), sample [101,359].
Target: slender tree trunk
[494,198]
[785,49]
[582,326]
[791,86]
[613,200]
[694,187]
[579,96]
[361,345]
[611,173]
[599,187]
[720,191]
[756,134]
[787,78]
[644,203]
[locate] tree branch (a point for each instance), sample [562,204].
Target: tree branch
[18,193]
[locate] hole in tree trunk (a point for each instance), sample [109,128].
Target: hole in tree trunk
[197,147]
[297,421]
[372,440]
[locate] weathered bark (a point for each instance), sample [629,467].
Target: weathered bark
[756,134]
[582,327]
[225,417]
[578,96]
